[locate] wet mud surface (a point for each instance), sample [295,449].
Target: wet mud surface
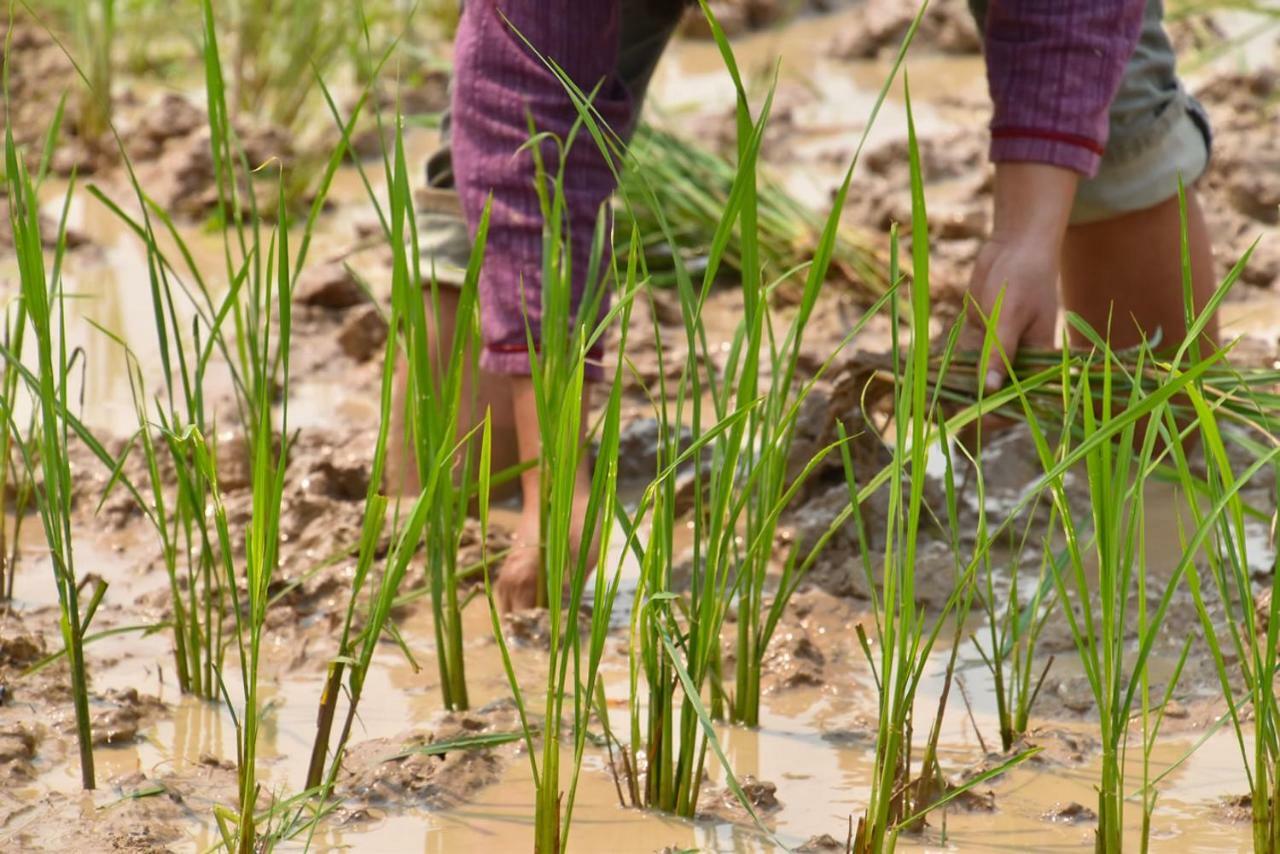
[165,760]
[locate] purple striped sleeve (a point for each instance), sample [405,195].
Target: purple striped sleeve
[1053,68]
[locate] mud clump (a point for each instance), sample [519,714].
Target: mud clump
[332,286]
[531,628]
[17,749]
[20,651]
[60,821]
[1069,813]
[1236,808]
[723,804]
[175,148]
[363,333]
[387,771]
[1058,747]
[234,467]
[167,117]
[822,842]
[1242,184]
[639,444]
[183,180]
[793,660]
[947,27]
[382,776]
[126,712]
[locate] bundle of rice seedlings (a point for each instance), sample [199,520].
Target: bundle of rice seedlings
[688,187]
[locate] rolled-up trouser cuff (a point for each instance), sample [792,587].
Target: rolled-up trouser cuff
[1142,171]
[514,360]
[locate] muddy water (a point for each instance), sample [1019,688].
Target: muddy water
[815,744]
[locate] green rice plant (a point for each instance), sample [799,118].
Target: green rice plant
[747,481]
[94,29]
[261,271]
[1121,437]
[902,795]
[558,366]
[186,347]
[558,352]
[274,41]
[1014,622]
[443,466]
[678,197]
[196,591]
[16,484]
[1243,645]
[1013,626]
[49,388]
[249,589]
[434,404]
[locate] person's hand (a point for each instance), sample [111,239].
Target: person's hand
[517,585]
[1020,261]
[1025,272]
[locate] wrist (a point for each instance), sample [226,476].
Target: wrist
[1032,202]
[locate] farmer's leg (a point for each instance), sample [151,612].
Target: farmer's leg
[645,29]
[485,392]
[500,87]
[1122,254]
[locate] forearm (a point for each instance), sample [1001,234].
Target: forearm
[500,87]
[1032,202]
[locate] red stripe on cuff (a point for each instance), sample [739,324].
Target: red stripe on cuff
[1050,135]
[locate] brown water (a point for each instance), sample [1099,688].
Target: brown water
[820,781]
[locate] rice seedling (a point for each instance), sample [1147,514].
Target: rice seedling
[18,446]
[1014,621]
[1243,640]
[274,40]
[737,497]
[49,388]
[262,538]
[197,595]
[558,365]
[676,640]
[1120,451]
[94,28]
[15,445]
[261,270]
[558,352]
[1013,627]
[443,465]
[901,795]
[16,483]
[184,520]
